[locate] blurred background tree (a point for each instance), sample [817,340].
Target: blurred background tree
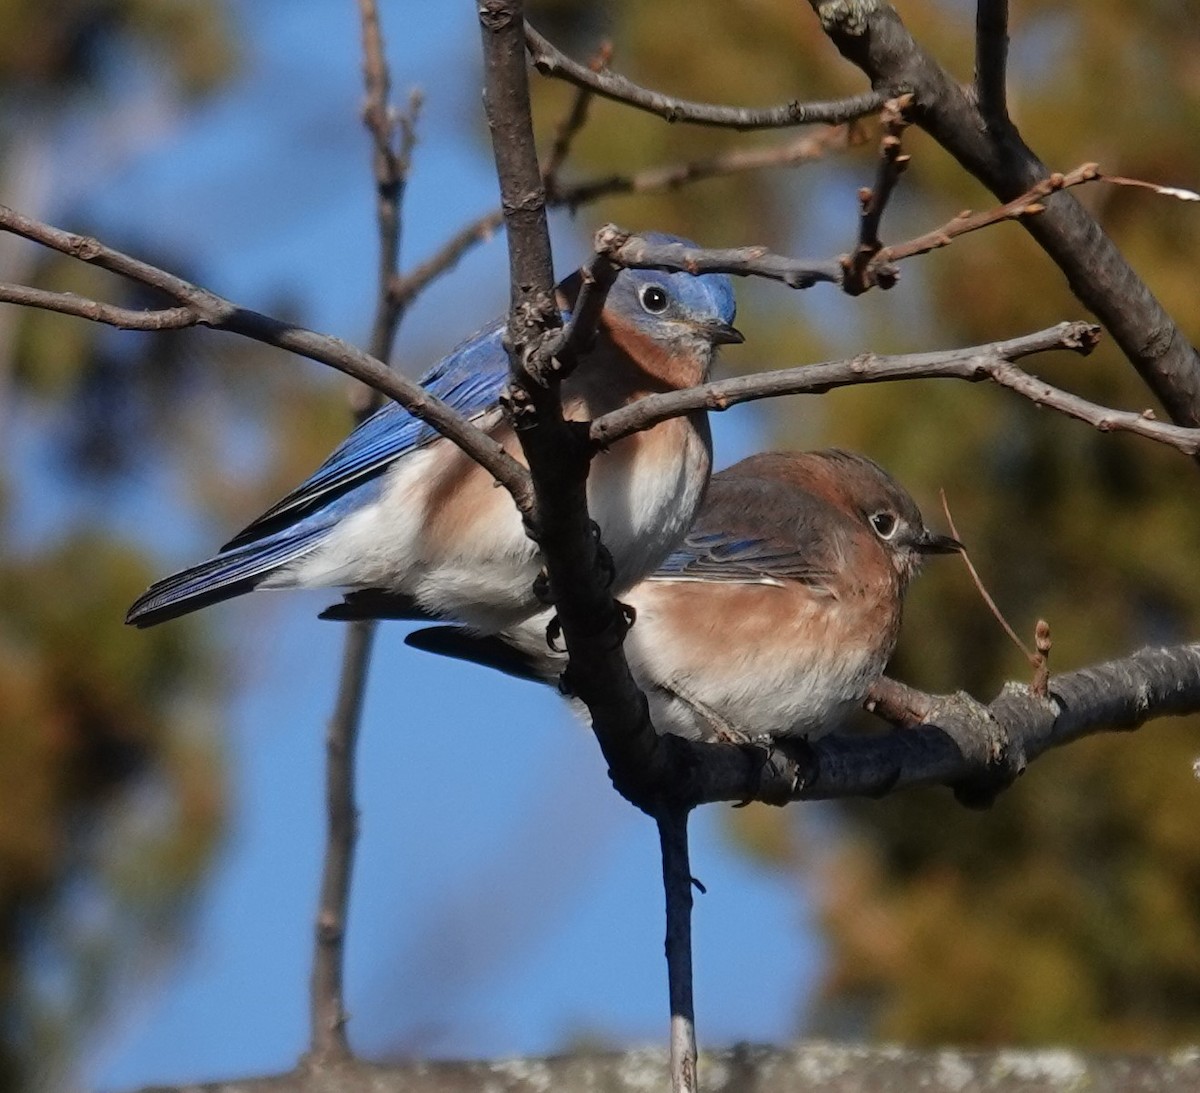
[1069,912]
[112,780]
[1066,912]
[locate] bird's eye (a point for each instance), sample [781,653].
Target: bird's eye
[654,299]
[884,524]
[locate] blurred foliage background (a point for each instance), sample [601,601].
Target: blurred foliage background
[1068,912]
[112,781]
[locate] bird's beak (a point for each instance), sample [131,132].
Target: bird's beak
[929,543]
[722,333]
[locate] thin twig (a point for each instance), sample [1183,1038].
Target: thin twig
[984,594]
[873,202]
[551,61]
[898,703]
[991,60]
[652,180]
[392,141]
[803,149]
[206,308]
[328,1042]
[983,362]
[677,888]
[631,250]
[873,37]
[569,128]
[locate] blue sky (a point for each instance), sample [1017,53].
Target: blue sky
[509,905]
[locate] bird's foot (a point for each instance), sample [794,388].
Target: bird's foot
[541,589]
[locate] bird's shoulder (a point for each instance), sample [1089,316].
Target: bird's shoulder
[468,379]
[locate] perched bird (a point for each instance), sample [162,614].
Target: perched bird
[775,616]
[398,509]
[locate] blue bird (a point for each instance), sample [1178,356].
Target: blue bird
[400,510]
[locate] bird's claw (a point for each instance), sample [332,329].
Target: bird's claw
[553,634]
[541,588]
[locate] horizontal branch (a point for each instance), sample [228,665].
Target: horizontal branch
[200,307]
[976,749]
[549,60]
[803,149]
[69,303]
[981,362]
[635,252]
[843,1067]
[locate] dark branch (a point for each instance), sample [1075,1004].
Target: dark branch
[859,274]
[982,362]
[392,139]
[208,309]
[991,60]
[550,61]
[870,34]
[677,885]
[802,149]
[978,750]
[592,625]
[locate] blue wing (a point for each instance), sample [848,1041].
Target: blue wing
[469,379]
[739,558]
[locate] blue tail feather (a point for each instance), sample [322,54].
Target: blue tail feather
[227,575]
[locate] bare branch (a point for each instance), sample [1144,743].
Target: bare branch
[978,750]
[327,1036]
[991,61]
[633,251]
[558,455]
[406,287]
[574,120]
[872,36]
[652,180]
[127,318]
[803,149]
[892,164]
[393,139]
[992,362]
[677,885]
[208,309]
[550,61]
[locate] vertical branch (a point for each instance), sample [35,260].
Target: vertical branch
[522,194]
[991,60]
[328,1042]
[677,886]
[390,163]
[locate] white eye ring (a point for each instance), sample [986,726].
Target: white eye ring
[884,524]
[654,299]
